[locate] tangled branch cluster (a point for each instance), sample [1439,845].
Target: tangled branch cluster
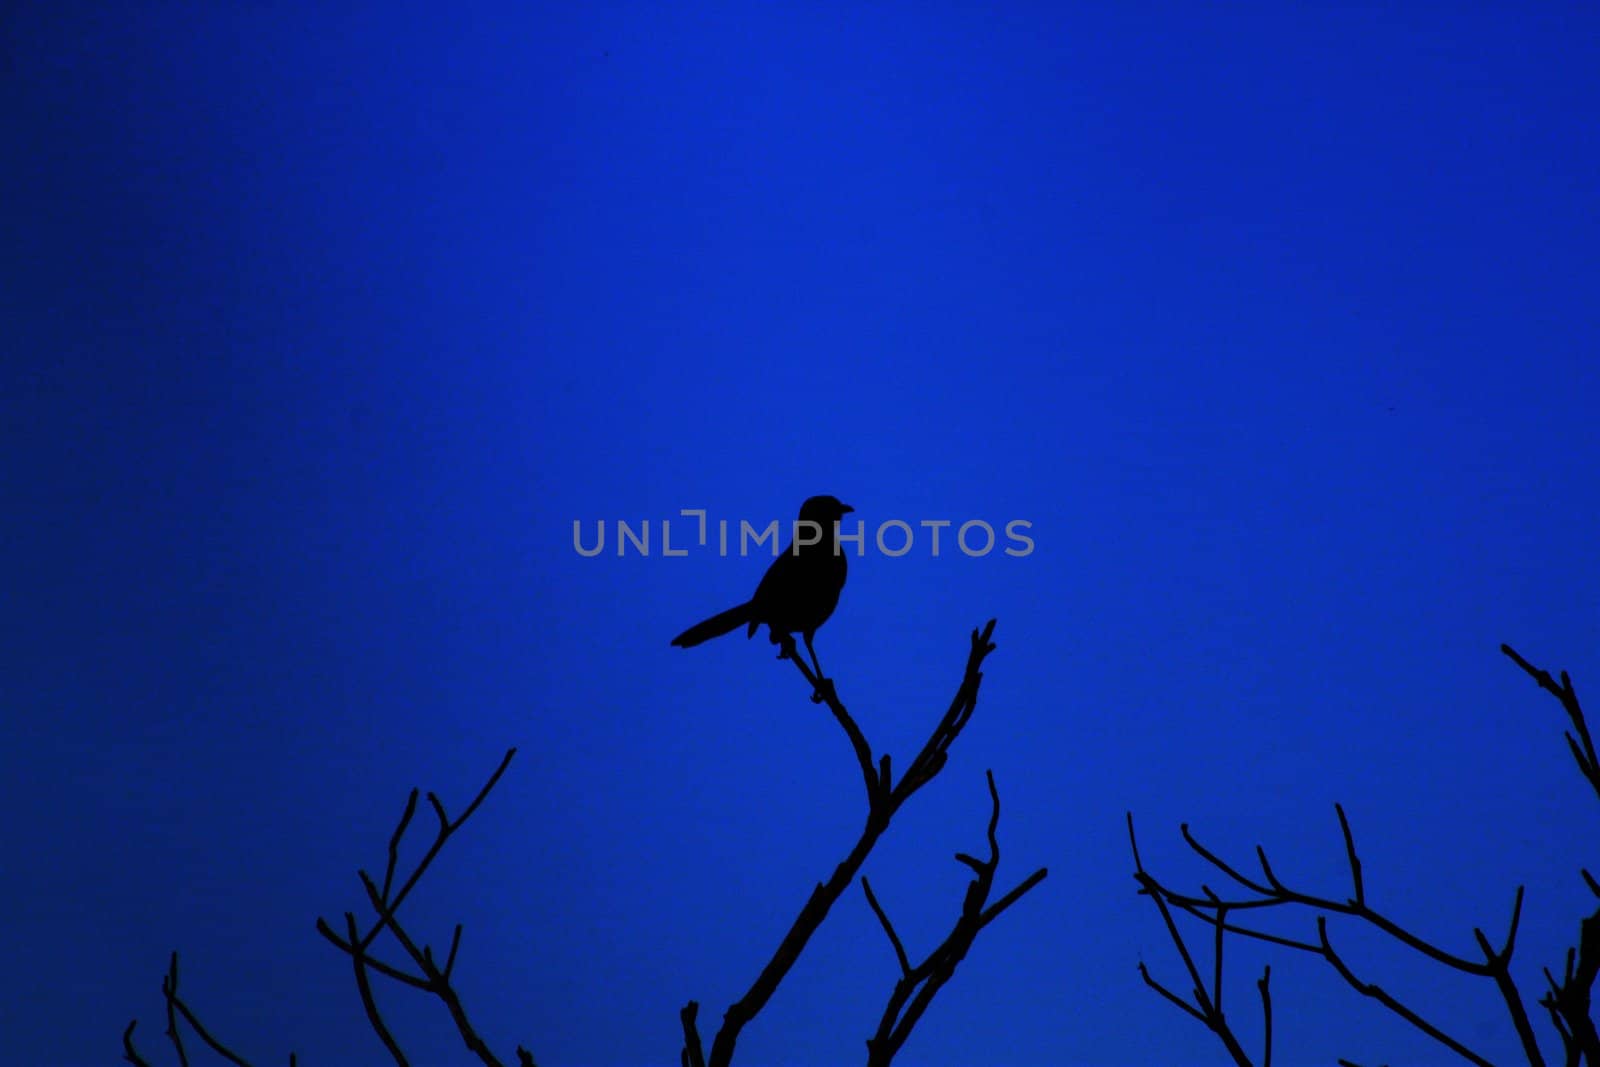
[913,992]
[1567,1000]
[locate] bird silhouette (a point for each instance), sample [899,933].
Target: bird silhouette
[799,590]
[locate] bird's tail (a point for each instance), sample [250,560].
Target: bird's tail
[715,626]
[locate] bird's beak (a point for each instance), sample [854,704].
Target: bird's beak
[843,508]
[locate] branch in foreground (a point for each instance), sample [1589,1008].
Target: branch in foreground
[176,1009]
[430,977]
[1207,1006]
[918,985]
[1569,1000]
[1269,891]
[884,798]
[1582,746]
[433,979]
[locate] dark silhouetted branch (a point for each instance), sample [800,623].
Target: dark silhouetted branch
[1582,746]
[169,991]
[884,798]
[178,1009]
[130,1053]
[431,977]
[1270,891]
[1569,1001]
[446,828]
[1377,992]
[913,993]
[358,958]
[693,1054]
[1275,893]
[1264,985]
[1207,1006]
[917,986]
[823,691]
[888,927]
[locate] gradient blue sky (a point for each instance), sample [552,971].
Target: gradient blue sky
[324,322]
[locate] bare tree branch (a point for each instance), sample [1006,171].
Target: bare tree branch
[1273,892]
[169,991]
[1383,997]
[1568,1001]
[917,986]
[1582,746]
[1207,1006]
[888,927]
[130,1053]
[693,1054]
[884,798]
[1264,984]
[446,828]
[432,978]
[358,959]
[178,1009]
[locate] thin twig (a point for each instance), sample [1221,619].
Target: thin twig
[446,828]
[131,1054]
[394,842]
[169,990]
[1350,855]
[1582,746]
[1264,984]
[358,960]
[888,927]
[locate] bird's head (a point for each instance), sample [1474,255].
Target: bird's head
[824,511]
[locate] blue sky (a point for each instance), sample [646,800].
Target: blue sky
[325,322]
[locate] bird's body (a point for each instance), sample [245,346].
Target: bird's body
[798,592]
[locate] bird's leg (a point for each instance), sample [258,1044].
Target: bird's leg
[816,697]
